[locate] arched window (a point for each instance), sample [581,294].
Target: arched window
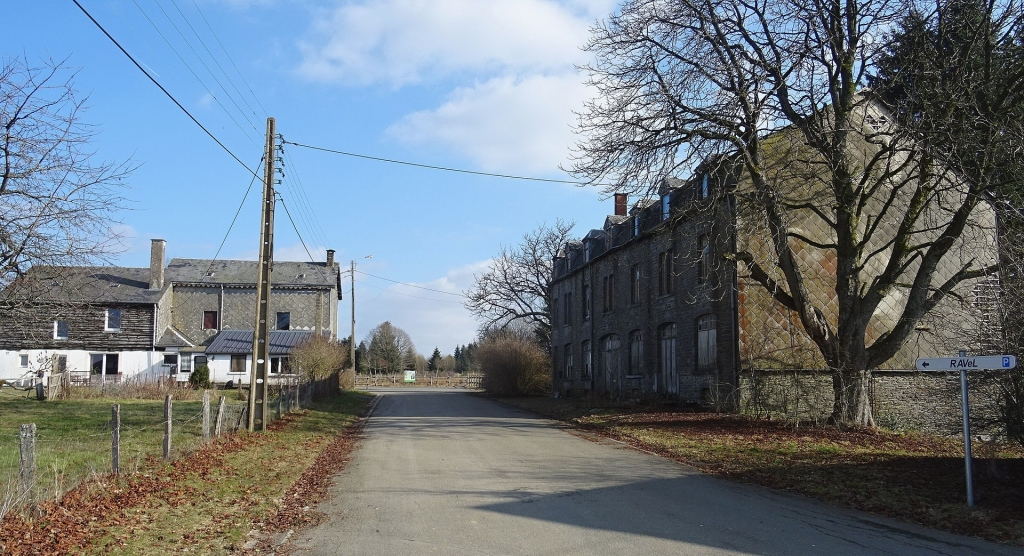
[707,343]
[636,353]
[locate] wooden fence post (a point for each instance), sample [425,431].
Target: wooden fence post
[280,394]
[206,415]
[167,427]
[115,439]
[298,390]
[27,473]
[219,422]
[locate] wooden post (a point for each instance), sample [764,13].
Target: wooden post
[280,394]
[206,415]
[27,473]
[115,439]
[167,427]
[298,390]
[219,423]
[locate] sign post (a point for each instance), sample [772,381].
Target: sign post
[964,363]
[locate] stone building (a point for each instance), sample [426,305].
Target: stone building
[115,322]
[655,304]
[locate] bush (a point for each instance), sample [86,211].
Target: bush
[513,365]
[200,377]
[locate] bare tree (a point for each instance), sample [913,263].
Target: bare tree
[856,227]
[390,349]
[58,204]
[514,290]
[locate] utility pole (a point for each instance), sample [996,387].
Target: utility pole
[352,343]
[352,340]
[261,332]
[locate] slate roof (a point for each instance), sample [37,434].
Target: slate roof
[284,273]
[172,338]
[282,342]
[99,284]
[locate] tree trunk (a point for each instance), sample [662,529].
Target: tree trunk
[852,405]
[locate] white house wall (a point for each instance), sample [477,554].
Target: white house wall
[144,365]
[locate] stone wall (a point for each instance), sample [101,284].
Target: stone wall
[901,400]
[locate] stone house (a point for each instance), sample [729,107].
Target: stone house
[114,323]
[654,303]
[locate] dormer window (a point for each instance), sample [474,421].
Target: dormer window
[705,187]
[211,274]
[300,276]
[665,206]
[60,330]
[587,250]
[636,226]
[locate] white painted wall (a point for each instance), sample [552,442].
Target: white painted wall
[144,365]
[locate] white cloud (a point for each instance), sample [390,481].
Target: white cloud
[404,41]
[432,319]
[503,124]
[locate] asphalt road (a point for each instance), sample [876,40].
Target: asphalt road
[444,472]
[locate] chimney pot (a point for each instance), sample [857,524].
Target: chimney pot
[156,264]
[330,258]
[621,204]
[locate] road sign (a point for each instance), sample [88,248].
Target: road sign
[975,363]
[965,363]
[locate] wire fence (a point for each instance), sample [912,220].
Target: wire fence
[47,449]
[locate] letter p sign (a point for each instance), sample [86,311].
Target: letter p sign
[1006,362]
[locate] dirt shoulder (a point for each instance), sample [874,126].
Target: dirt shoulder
[908,476]
[210,501]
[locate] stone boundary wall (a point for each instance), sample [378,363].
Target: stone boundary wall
[900,400]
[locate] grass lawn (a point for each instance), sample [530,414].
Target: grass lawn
[908,476]
[73,439]
[206,502]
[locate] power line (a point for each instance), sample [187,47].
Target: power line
[214,58]
[410,285]
[230,59]
[157,83]
[303,199]
[407,294]
[432,167]
[296,228]
[193,72]
[237,212]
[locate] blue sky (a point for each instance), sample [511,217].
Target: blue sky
[486,85]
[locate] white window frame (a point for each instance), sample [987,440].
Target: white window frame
[56,330]
[23,360]
[106,319]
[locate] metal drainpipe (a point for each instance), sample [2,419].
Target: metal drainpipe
[735,299]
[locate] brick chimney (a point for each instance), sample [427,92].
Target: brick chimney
[330,258]
[621,204]
[156,264]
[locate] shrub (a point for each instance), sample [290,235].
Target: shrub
[200,377]
[513,365]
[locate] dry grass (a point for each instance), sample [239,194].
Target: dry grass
[206,502]
[135,390]
[908,476]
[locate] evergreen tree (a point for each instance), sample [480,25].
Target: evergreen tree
[435,358]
